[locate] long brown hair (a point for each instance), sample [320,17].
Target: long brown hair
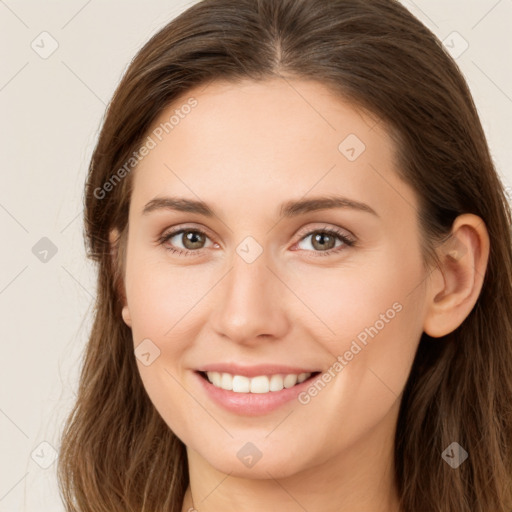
[117,453]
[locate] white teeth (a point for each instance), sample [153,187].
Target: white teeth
[241,384]
[260,384]
[216,379]
[226,381]
[276,383]
[290,381]
[302,377]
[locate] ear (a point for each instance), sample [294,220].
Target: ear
[114,240]
[454,287]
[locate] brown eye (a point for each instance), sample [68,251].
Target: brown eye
[192,239]
[323,241]
[186,241]
[326,241]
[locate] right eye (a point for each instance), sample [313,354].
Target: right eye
[191,239]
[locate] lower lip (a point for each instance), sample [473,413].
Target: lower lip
[252,404]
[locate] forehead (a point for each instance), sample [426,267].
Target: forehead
[261,141]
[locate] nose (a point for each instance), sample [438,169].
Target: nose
[250,303]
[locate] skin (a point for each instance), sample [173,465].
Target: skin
[244,149]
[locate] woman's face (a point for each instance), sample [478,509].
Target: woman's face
[300,254]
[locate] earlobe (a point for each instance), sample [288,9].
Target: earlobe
[126,316]
[113,238]
[455,286]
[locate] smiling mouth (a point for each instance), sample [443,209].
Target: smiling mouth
[260,385]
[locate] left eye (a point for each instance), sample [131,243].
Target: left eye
[324,241]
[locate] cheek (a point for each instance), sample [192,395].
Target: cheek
[371,316]
[353,297]
[161,301]
[161,296]
[377,334]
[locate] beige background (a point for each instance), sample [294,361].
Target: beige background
[51,111]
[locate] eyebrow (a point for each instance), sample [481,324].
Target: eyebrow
[288,209]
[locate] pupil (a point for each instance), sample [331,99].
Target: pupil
[194,238]
[320,238]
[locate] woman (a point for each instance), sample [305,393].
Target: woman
[304,282]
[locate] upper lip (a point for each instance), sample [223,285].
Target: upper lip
[255,370]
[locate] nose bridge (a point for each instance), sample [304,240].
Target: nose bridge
[250,301]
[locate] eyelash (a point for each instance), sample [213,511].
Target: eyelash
[349,242]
